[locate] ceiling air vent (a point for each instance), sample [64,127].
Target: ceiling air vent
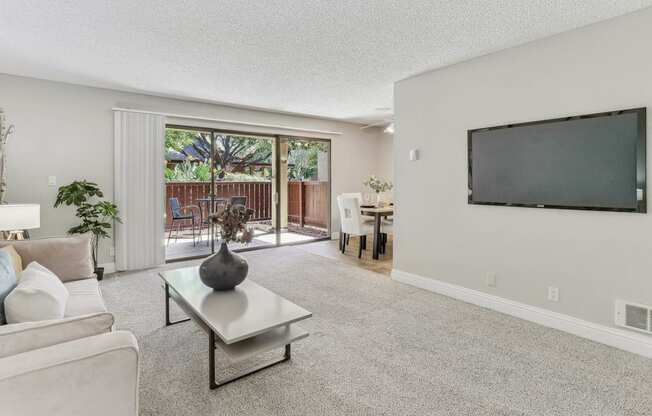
[634,316]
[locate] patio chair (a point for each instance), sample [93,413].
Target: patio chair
[180,214]
[238,201]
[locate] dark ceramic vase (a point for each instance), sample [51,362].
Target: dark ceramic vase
[224,270]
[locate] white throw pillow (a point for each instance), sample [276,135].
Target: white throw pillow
[40,295]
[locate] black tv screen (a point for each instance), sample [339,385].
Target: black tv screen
[594,161]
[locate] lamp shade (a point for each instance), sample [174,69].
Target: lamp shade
[20,217]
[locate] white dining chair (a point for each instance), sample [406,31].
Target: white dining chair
[352,223]
[358,196]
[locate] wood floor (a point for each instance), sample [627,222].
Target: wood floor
[331,250]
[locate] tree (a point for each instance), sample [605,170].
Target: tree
[178,139]
[300,168]
[231,153]
[303,156]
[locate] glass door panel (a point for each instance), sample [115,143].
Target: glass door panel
[187,192]
[244,175]
[305,190]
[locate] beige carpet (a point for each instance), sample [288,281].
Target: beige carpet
[378,348]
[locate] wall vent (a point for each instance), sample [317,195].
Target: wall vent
[634,316]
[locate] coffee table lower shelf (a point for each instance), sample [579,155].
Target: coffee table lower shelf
[250,347]
[282,336]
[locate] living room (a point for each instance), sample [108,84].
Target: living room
[495,304]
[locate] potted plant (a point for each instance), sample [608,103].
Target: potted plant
[225,269]
[378,185]
[96,216]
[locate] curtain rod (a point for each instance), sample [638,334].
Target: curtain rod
[219,120]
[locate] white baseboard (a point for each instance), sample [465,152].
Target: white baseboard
[335,235]
[614,337]
[108,267]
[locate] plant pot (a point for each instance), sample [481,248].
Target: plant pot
[224,270]
[99,272]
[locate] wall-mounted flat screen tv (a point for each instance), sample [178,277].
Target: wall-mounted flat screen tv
[594,162]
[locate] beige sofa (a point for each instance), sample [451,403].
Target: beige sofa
[72,366]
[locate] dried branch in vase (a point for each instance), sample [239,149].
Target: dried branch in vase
[4,134]
[232,223]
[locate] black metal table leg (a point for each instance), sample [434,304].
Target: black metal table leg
[213,384]
[211,360]
[376,236]
[167,309]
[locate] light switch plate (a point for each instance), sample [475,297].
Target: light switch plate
[52,181]
[491,279]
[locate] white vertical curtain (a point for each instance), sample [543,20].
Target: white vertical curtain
[139,189]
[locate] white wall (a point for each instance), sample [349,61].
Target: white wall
[67,131]
[386,156]
[593,257]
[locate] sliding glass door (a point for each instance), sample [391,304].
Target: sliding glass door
[305,190]
[243,175]
[285,181]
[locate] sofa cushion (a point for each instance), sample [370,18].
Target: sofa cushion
[15,258]
[7,282]
[85,298]
[68,257]
[39,295]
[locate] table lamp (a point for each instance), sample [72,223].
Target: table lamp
[16,219]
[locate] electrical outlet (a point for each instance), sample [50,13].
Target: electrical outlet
[490,278]
[553,294]
[52,181]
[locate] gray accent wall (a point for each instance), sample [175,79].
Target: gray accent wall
[592,257]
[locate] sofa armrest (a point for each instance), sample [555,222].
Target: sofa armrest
[96,376]
[18,338]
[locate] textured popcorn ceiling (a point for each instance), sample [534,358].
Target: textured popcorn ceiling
[335,58]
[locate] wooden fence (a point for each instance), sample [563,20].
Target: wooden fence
[308,201]
[259,196]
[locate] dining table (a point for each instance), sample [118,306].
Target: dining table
[205,203]
[378,213]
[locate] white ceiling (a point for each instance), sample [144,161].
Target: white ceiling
[335,59]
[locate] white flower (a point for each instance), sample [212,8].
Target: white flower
[377,184]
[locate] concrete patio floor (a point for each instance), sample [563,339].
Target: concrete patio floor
[183,247]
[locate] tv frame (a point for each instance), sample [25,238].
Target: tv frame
[641,175]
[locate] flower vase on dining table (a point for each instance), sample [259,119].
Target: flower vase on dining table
[378,186]
[379,200]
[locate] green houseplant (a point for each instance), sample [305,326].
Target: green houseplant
[96,215]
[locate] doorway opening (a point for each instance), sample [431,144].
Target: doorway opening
[284,180]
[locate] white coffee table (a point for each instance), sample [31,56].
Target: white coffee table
[247,321]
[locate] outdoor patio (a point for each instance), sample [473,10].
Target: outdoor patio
[184,247]
[208,169]
[304,217]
